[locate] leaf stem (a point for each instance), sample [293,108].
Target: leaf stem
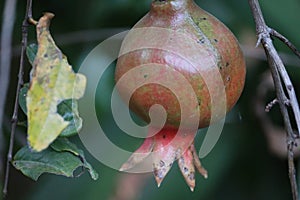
[25,25]
[284,89]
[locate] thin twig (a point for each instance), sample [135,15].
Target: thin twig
[25,25]
[271,105]
[282,83]
[285,40]
[5,63]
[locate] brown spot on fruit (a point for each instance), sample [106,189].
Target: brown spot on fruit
[162,163]
[228,78]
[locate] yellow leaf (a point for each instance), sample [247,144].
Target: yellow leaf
[53,81]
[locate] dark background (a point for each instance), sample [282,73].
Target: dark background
[248,161]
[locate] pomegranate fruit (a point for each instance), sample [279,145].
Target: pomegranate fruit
[184,59]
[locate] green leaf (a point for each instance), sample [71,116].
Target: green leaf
[64,145]
[22,97]
[53,81]
[33,164]
[68,109]
[63,158]
[31,52]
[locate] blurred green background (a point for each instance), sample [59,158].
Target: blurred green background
[248,161]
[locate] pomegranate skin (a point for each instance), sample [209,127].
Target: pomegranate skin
[212,37]
[178,39]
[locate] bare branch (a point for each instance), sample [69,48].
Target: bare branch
[5,61]
[285,40]
[281,81]
[25,25]
[275,135]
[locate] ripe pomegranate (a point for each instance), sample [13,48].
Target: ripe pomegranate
[184,59]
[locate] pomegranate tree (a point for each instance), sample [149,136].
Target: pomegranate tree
[184,59]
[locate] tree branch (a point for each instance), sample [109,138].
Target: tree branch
[285,41]
[282,84]
[25,24]
[5,61]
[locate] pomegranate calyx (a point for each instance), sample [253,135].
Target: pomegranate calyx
[165,147]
